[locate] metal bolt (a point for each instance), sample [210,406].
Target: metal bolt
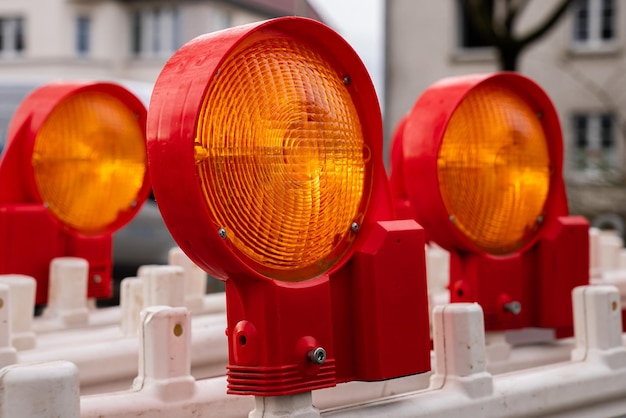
[346,80]
[46,205]
[540,115]
[354,227]
[222,232]
[317,355]
[540,219]
[514,307]
[97,278]
[133,203]
[452,219]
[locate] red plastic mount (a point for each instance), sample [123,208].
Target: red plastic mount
[540,279]
[370,317]
[32,238]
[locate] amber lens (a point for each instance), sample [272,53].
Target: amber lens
[89,161]
[281,157]
[494,169]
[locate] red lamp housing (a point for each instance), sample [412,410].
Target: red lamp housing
[264,146]
[74,171]
[478,163]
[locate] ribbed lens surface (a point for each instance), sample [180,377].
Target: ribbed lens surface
[494,169]
[89,161]
[281,157]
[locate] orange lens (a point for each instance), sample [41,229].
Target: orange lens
[281,157]
[89,161]
[494,169]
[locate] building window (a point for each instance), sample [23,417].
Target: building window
[136,33]
[11,36]
[594,142]
[594,21]
[469,37]
[155,32]
[83,32]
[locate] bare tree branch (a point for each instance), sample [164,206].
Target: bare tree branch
[513,10]
[498,28]
[547,24]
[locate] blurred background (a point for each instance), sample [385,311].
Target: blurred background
[574,49]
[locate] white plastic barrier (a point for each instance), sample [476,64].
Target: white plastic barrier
[610,267]
[112,365]
[595,269]
[606,253]
[593,383]
[8,354]
[164,387]
[67,292]
[39,391]
[195,281]
[107,355]
[20,319]
[68,310]
[460,383]
[610,247]
[157,285]
[69,307]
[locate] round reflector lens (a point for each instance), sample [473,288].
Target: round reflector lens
[281,157]
[494,169]
[89,161]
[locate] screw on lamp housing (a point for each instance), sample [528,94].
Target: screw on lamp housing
[317,355]
[514,307]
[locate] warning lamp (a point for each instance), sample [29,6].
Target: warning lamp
[74,171]
[477,162]
[264,143]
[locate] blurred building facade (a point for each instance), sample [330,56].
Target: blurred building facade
[124,39]
[581,63]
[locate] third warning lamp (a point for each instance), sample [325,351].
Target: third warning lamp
[478,163]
